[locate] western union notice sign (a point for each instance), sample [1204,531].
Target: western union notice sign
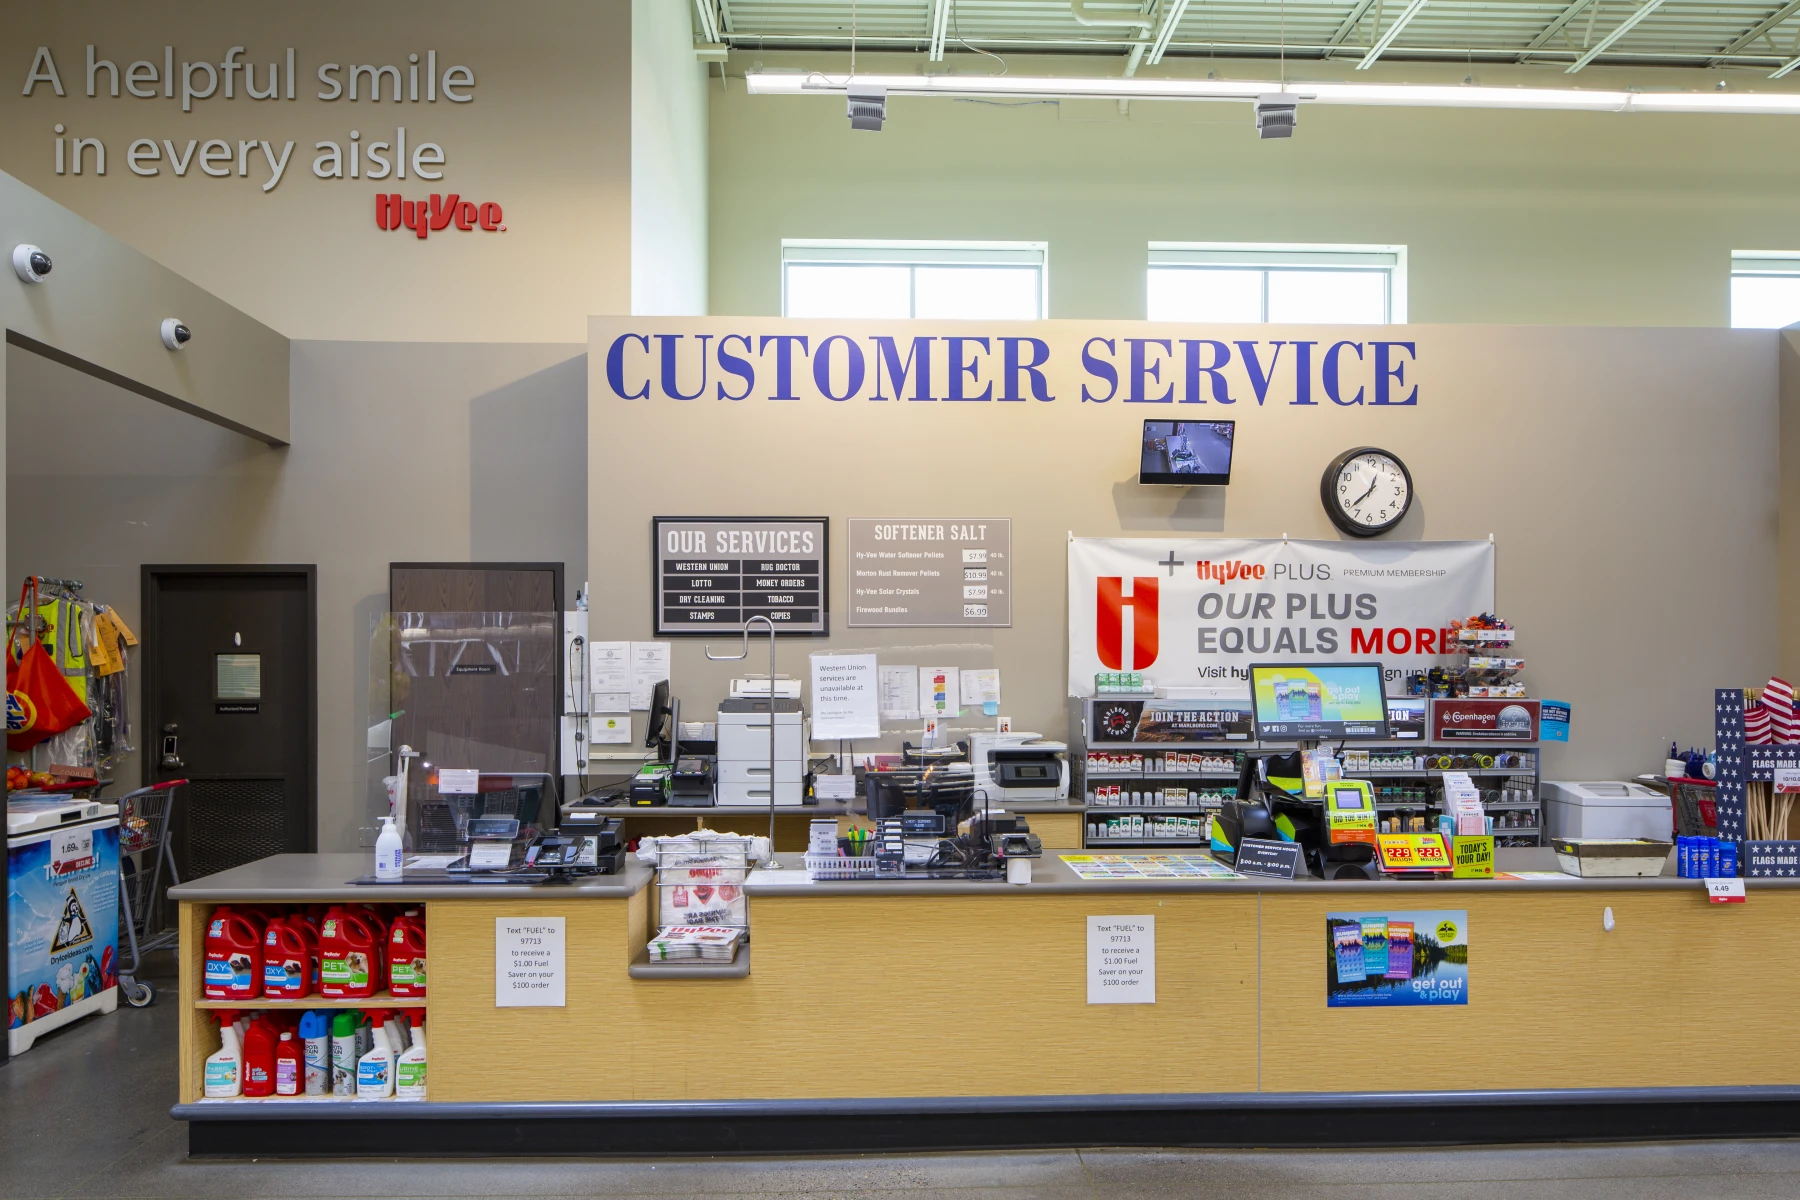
[1472,857]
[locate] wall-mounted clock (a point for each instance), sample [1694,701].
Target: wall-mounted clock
[1366,491]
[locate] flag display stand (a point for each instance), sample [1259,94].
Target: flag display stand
[1739,764]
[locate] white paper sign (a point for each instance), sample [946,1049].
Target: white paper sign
[1121,960]
[899,693]
[844,701]
[940,691]
[610,730]
[981,687]
[612,702]
[529,965]
[649,667]
[456,781]
[610,666]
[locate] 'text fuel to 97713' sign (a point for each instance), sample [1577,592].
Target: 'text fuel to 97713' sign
[930,572]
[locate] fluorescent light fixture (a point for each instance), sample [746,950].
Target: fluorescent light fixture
[794,83]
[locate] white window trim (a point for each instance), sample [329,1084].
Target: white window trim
[1765,262]
[878,252]
[1293,255]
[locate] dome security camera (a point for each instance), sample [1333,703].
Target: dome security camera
[32,264]
[175,335]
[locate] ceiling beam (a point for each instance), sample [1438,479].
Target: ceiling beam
[1172,15]
[1351,22]
[1785,67]
[1575,9]
[940,25]
[1620,30]
[1761,29]
[1393,31]
[709,21]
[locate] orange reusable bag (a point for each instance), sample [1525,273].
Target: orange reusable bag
[39,701]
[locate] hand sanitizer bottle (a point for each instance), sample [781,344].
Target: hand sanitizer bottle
[388,852]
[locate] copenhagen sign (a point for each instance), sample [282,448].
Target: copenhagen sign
[1040,362]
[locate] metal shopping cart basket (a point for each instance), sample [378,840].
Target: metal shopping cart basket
[144,854]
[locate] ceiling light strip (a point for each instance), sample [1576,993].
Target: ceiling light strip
[1407,95]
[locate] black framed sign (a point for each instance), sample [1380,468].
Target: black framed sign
[715,573]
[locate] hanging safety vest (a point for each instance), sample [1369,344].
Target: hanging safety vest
[64,641]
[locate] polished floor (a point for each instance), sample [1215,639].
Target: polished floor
[85,1114]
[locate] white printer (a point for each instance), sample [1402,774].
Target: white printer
[743,747]
[1610,809]
[1019,768]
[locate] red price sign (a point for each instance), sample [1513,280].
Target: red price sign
[1413,852]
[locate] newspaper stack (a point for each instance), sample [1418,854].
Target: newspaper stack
[695,943]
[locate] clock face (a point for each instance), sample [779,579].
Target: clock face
[1366,491]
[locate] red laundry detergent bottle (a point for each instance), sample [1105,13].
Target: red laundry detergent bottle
[259,1058]
[234,956]
[349,955]
[287,963]
[406,955]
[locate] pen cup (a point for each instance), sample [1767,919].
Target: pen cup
[1018,870]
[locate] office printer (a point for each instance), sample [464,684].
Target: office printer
[1019,768]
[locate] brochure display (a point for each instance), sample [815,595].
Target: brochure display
[62,920]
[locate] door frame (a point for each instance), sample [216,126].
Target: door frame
[149,573]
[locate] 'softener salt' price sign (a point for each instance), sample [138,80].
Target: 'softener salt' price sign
[529,964]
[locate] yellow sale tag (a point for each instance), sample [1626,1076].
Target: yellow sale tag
[1412,852]
[1473,857]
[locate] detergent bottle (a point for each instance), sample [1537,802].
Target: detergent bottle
[234,956]
[308,933]
[287,1065]
[259,1059]
[225,1066]
[343,1053]
[315,1038]
[348,952]
[287,967]
[409,1072]
[375,1070]
[406,955]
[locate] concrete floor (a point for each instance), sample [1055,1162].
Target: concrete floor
[86,1113]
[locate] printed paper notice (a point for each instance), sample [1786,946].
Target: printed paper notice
[940,691]
[610,666]
[899,693]
[981,688]
[844,697]
[1121,960]
[610,730]
[529,966]
[455,781]
[649,667]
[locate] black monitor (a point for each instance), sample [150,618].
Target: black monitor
[1186,453]
[659,730]
[1308,701]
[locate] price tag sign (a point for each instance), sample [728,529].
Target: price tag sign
[1474,857]
[1725,891]
[1413,852]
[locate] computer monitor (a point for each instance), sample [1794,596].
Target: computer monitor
[1186,453]
[1332,701]
[659,730]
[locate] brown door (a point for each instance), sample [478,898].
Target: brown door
[230,697]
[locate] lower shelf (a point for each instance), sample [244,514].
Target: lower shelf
[378,1000]
[738,968]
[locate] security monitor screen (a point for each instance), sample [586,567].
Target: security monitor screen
[1186,453]
[1296,702]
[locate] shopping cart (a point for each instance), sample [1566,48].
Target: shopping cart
[144,851]
[1696,807]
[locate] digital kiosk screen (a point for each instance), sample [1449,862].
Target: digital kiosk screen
[1329,701]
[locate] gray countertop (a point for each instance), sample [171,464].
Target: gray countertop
[325,878]
[1050,875]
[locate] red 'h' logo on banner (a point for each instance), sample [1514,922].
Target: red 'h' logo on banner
[1109,622]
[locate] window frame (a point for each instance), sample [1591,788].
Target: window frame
[880,252]
[1759,264]
[1271,257]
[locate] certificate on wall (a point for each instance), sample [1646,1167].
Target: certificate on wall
[713,574]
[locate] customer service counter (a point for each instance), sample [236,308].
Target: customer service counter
[887,1015]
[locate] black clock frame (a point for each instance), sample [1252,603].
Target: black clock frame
[1328,498]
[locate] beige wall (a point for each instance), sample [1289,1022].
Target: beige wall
[668,162]
[1628,477]
[546,135]
[408,452]
[1509,217]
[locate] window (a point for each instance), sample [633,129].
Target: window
[1765,289]
[944,280]
[1323,285]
